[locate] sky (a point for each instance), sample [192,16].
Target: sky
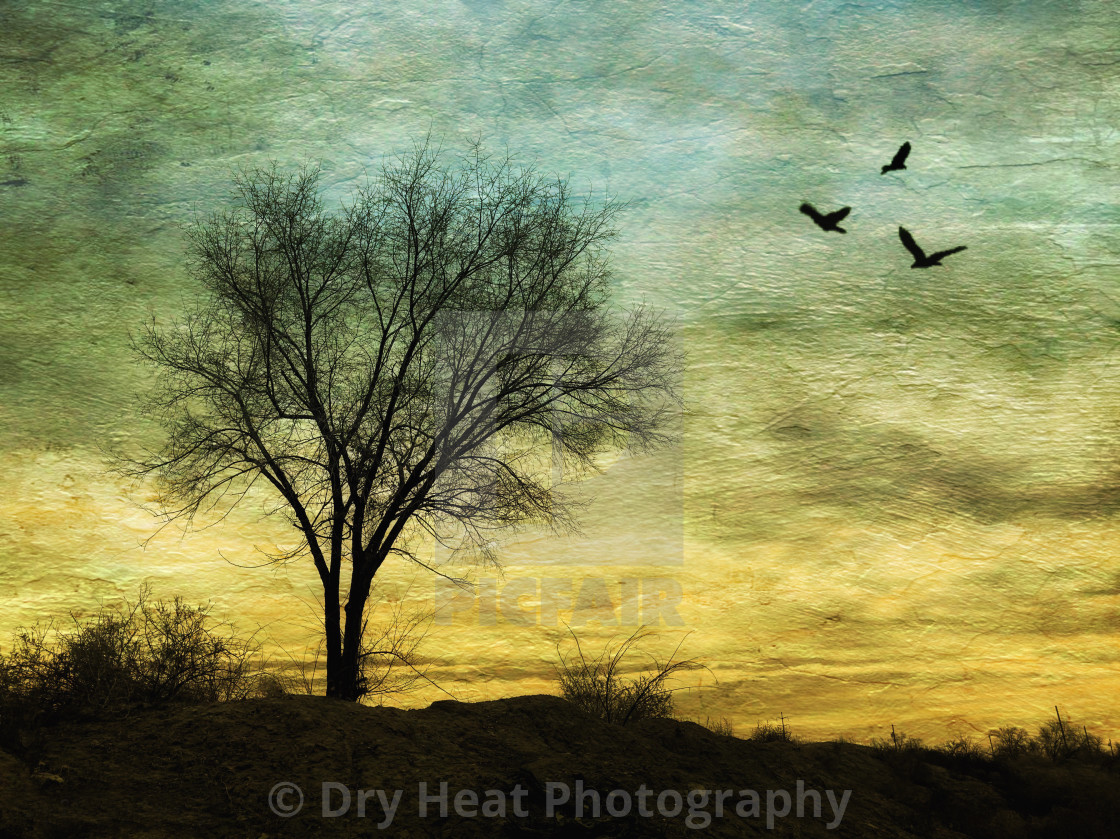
[896,496]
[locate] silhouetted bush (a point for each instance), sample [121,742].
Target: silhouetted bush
[965,747]
[721,726]
[139,653]
[597,686]
[1057,740]
[1061,740]
[275,685]
[772,732]
[897,743]
[1011,742]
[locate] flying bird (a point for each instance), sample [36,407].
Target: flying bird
[920,258]
[899,159]
[827,221]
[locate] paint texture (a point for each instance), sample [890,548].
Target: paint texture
[897,491]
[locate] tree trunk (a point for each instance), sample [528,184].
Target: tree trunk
[353,686]
[335,682]
[345,680]
[344,676]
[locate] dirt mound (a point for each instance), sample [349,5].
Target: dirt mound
[242,770]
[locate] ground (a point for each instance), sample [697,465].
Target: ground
[208,771]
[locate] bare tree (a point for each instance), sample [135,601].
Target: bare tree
[396,368]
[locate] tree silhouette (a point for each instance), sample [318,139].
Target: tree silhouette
[400,367]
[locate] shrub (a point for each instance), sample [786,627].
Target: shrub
[1011,742]
[597,686]
[1060,740]
[142,652]
[964,747]
[772,732]
[1057,740]
[898,742]
[274,686]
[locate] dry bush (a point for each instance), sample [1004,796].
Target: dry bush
[1061,740]
[142,652]
[274,685]
[964,747]
[722,726]
[598,687]
[1010,741]
[1057,740]
[772,732]
[897,742]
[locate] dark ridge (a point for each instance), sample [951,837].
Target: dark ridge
[182,772]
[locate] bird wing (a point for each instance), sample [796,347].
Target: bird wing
[838,216]
[901,155]
[812,213]
[910,244]
[949,252]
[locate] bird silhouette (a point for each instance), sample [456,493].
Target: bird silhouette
[827,221]
[899,159]
[920,258]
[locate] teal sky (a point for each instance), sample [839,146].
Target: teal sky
[897,495]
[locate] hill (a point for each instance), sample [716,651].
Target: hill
[209,770]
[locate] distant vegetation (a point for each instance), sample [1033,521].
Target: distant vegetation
[1057,741]
[1060,782]
[597,685]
